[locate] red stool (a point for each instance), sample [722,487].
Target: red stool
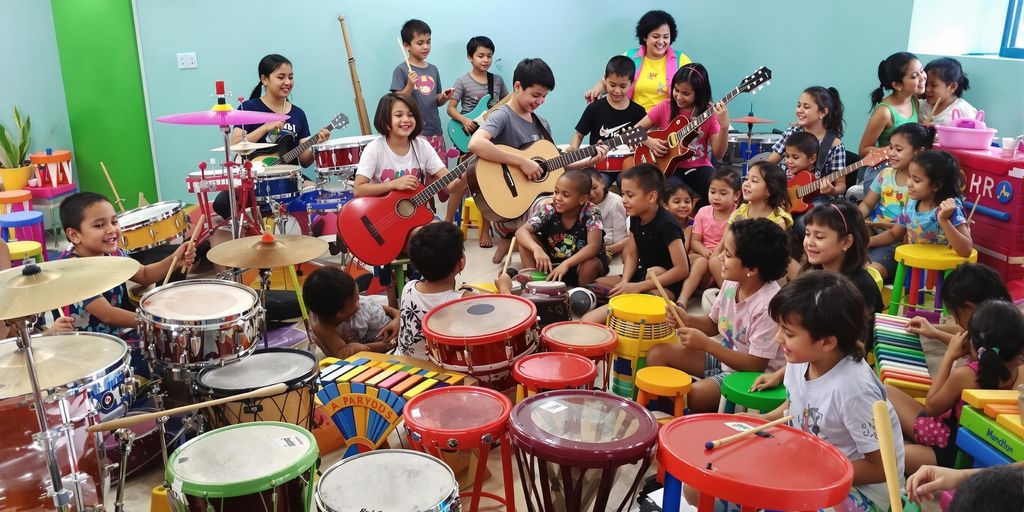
[463,418]
[596,342]
[550,371]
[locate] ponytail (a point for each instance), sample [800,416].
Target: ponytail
[828,99]
[256,91]
[879,92]
[997,333]
[268,64]
[890,70]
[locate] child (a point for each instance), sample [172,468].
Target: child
[613,215]
[992,345]
[344,322]
[996,488]
[616,112]
[819,112]
[422,82]
[691,96]
[708,228]
[887,194]
[944,92]
[516,124]
[902,73]
[755,256]
[836,240]
[437,252]
[966,286]
[801,156]
[564,238]
[831,389]
[933,215]
[679,200]
[655,242]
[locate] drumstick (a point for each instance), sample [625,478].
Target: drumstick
[973,208]
[273,389]
[404,54]
[710,445]
[883,427]
[671,303]
[357,88]
[120,204]
[508,257]
[191,241]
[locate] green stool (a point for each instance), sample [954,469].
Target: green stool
[399,267]
[736,390]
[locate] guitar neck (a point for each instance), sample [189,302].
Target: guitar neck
[431,190]
[815,186]
[704,116]
[301,148]
[575,156]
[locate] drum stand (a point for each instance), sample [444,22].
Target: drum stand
[265,274]
[125,438]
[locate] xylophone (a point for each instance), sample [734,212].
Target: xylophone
[364,396]
[899,358]
[990,430]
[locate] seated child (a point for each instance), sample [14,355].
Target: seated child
[344,322]
[679,199]
[613,215]
[564,239]
[708,227]
[802,156]
[966,286]
[754,256]
[944,90]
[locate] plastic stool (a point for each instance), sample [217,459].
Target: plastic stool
[736,391]
[471,217]
[25,225]
[552,370]
[928,265]
[655,381]
[15,201]
[21,251]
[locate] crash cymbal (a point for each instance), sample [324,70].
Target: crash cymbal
[751,120]
[36,288]
[222,118]
[267,251]
[59,359]
[245,147]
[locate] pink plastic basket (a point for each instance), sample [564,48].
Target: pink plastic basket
[962,133]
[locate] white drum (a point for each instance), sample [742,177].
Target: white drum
[421,483]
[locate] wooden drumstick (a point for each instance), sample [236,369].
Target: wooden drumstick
[664,295]
[883,427]
[508,257]
[191,242]
[973,209]
[711,445]
[357,88]
[405,54]
[118,201]
[274,389]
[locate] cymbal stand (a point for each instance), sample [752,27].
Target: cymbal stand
[265,274]
[158,402]
[125,438]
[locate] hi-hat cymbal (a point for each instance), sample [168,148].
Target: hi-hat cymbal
[267,251]
[36,288]
[245,147]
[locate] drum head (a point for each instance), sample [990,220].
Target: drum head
[578,334]
[61,359]
[479,319]
[145,214]
[638,307]
[459,409]
[242,459]
[262,368]
[354,484]
[198,300]
[276,170]
[546,286]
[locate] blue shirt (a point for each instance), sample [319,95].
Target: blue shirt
[117,297]
[297,126]
[923,227]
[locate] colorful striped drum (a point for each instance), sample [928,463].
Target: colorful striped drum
[640,322]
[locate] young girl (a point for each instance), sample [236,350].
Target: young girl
[944,90]
[831,389]
[691,96]
[964,288]
[887,194]
[613,214]
[708,228]
[819,111]
[755,256]
[992,345]
[679,200]
[933,215]
[902,73]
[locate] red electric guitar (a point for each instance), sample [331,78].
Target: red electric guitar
[803,185]
[682,130]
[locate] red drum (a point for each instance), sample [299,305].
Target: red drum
[551,299]
[594,341]
[536,373]
[339,153]
[616,158]
[482,336]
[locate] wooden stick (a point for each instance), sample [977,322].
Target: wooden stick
[404,54]
[357,88]
[883,428]
[711,445]
[973,208]
[118,201]
[274,389]
[191,241]
[508,257]
[60,312]
[664,295]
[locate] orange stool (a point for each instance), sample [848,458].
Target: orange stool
[552,370]
[594,341]
[663,381]
[15,201]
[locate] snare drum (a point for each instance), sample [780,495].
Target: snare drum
[149,226]
[277,182]
[187,325]
[615,160]
[77,372]
[296,368]
[422,483]
[266,466]
[341,152]
[482,335]
[551,299]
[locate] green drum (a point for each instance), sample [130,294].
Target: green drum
[265,465]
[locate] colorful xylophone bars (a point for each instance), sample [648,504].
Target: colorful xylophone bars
[899,359]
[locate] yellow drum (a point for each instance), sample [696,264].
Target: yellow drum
[640,322]
[149,226]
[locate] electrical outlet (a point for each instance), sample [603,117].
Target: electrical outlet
[187,61]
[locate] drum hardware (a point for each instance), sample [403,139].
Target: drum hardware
[125,438]
[750,120]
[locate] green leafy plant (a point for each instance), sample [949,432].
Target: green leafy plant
[13,152]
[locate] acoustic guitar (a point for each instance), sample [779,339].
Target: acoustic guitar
[803,185]
[277,154]
[457,133]
[503,193]
[683,130]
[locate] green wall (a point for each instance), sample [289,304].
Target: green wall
[99,62]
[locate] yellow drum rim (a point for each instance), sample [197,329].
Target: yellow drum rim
[638,307]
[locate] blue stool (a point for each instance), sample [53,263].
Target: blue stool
[25,226]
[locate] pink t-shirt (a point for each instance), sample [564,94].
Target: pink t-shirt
[659,115]
[710,230]
[746,326]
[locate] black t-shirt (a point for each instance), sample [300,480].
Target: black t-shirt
[601,120]
[868,289]
[652,240]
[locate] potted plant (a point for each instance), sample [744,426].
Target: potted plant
[13,171]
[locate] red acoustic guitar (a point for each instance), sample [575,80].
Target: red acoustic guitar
[683,130]
[375,229]
[803,185]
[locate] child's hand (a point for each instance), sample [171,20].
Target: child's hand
[593,94]
[767,381]
[412,77]
[922,327]
[543,261]
[351,349]
[531,168]
[946,209]
[503,282]
[692,339]
[274,126]
[723,113]
[672,318]
[931,479]
[624,287]
[62,324]
[959,346]
[469,126]
[657,146]
[323,135]
[558,272]
[186,254]
[407,182]
[602,153]
[828,188]
[390,331]
[446,94]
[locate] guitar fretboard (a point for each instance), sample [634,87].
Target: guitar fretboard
[431,190]
[704,116]
[816,185]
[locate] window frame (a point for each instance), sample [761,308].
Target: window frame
[1014,11]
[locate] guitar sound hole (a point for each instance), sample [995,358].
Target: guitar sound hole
[543,172]
[405,208]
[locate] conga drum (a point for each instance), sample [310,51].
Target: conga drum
[593,341]
[640,322]
[551,299]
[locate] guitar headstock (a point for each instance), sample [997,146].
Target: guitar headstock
[631,137]
[756,81]
[875,157]
[340,121]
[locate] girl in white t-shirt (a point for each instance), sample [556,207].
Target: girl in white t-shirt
[943,92]
[613,214]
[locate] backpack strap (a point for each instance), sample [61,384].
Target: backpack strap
[490,89]
[824,148]
[540,127]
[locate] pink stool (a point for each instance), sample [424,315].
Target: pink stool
[25,226]
[15,201]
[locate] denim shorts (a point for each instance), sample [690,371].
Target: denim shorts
[884,255]
[713,369]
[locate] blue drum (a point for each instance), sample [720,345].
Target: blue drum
[329,203]
[277,182]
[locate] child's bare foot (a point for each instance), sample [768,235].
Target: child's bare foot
[485,240]
[501,250]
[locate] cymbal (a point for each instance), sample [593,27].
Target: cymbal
[267,251]
[59,359]
[245,147]
[222,117]
[36,288]
[751,120]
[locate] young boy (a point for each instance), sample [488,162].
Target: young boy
[802,155]
[60,324]
[423,83]
[605,118]
[344,322]
[469,89]
[655,242]
[437,252]
[565,238]
[613,215]
[516,124]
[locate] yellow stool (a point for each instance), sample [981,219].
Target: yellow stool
[639,321]
[23,250]
[663,381]
[928,265]
[158,501]
[471,217]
